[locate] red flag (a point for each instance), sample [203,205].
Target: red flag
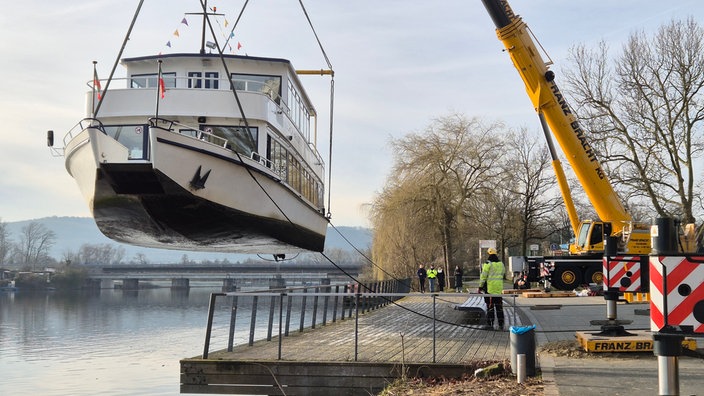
[162,87]
[239,45]
[96,83]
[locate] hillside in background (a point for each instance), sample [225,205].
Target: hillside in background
[72,232]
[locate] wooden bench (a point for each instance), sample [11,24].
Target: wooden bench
[476,307]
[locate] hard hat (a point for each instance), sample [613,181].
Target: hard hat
[491,251]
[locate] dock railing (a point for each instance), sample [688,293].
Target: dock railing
[331,302]
[260,314]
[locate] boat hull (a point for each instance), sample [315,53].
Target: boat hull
[191,195]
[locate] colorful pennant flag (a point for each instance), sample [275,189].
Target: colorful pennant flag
[184,21]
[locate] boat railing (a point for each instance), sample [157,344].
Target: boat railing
[173,82]
[208,137]
[194,133]
[80,127]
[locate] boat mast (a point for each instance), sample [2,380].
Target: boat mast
[202,36]
[205,14]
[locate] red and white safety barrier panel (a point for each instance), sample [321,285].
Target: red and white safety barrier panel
[677,294]
[623,273]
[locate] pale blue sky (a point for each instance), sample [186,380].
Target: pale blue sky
[398,64]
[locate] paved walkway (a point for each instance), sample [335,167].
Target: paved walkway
[626,375]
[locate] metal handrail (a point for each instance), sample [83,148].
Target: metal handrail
[382,293]
[347,303]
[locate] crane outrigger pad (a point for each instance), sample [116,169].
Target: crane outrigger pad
[639,341]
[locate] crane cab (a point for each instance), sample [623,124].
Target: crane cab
[590,239]
[634,237]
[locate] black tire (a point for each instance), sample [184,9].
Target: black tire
[594,275]
[566,278]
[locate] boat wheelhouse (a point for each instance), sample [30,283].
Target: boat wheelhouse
[202,152]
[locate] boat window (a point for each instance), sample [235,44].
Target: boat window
[211,80]
[298,111]
[189,132]
[239,139]
[150,80]
[277,154]
[134,137]
[295,173]
[194,79]
[269,85]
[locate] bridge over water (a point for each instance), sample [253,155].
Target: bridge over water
[232,276]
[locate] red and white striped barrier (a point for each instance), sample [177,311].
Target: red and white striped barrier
[677,294]
[623,273]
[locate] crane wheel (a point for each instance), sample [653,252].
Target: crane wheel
[567,278]
[594,275]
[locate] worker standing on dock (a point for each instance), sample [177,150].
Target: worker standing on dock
[458,279]
[432,277]
[491,281]
[422,274]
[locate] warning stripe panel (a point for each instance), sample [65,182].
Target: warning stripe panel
[619,267]
[676,286]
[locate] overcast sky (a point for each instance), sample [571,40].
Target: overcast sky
[398,65]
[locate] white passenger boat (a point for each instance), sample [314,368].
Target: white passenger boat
[174,157]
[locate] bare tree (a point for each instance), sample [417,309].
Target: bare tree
[34,245]
[141,259]
[101,254]
[644,113]
[528,180]
[418,216]
[5,243]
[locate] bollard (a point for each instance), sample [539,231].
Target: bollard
[522,340]
[521,369]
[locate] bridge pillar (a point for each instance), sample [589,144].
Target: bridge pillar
[228,285]
[92,284]
[277,283]
[107,284]
[180,283]
[130,284]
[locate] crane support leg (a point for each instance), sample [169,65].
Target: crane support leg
[668,349]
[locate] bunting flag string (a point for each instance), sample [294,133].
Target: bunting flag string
[176,32]
[184,24]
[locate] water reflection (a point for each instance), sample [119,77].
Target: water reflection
[113,342]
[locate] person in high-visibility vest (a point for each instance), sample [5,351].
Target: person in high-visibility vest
[432,277]
[491,281]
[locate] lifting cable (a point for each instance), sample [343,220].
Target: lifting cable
[332,101]
[117,60]
[332,86]
[241,110]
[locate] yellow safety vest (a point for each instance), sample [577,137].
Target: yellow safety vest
[432,273]
[493,275]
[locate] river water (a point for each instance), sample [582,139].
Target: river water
[110,343]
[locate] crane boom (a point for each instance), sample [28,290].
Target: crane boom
[550,104]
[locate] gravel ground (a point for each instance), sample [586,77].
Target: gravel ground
[503,384]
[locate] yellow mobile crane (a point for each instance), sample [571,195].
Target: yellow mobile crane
[556,115]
